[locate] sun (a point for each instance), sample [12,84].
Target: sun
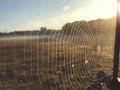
[118,7]
[102,9]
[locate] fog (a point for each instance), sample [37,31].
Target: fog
[24,37]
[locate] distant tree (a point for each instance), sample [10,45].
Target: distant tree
[66,29]
[43,28]
[0,33]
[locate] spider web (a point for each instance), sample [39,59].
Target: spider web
[68,59]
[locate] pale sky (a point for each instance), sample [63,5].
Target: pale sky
[33,14]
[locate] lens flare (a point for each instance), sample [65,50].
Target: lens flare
[118,7]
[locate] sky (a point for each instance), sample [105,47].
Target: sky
[53,14]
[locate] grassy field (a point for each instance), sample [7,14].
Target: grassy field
[54,65]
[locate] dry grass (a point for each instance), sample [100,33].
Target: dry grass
[39,65]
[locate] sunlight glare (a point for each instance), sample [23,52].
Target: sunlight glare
[118,7]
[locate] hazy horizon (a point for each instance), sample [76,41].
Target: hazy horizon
[30,15]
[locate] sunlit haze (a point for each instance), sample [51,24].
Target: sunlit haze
[118,7]
[33,14]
